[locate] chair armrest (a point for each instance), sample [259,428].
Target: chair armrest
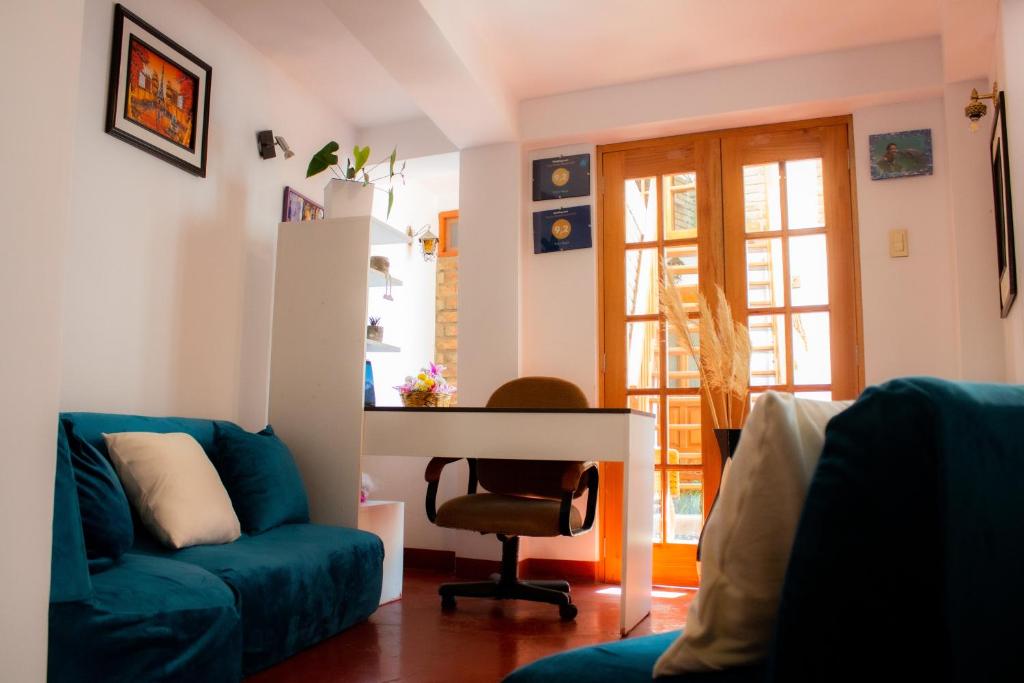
[573,475]
[568,494]
[433,477]
[435,466]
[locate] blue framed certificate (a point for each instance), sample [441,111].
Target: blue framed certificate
[560,177]
[561,229]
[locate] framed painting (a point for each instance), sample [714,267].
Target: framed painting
[898,155]
[158,96]
[1007,257]
[298,207]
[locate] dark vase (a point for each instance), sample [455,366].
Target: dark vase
[727,439]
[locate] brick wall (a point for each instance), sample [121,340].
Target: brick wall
[446,328]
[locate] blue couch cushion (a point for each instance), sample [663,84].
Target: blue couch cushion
[911,542]
[149,619]
[622,661]
[69,571]
[106,514]
[91,427]
[261,477]
[297,585]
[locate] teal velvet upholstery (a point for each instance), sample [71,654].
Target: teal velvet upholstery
[911,544]
[622,661]
[69,571]
[206,613]
[149,619]
[261,477]
[297,585]
[91,427]
[106,514]
[909,555]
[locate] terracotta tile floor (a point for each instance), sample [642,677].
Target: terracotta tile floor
[411,640]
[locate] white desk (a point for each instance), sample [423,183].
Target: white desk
[601,434]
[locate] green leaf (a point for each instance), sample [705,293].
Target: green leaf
[323,159]
[350,172]
[360,155]
[391,200]
[391,164]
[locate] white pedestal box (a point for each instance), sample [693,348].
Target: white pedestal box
[386,518]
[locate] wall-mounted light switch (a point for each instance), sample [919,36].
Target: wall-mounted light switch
[899,244]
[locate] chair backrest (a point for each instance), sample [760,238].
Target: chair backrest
[535,478]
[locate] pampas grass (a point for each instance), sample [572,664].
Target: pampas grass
[722,356]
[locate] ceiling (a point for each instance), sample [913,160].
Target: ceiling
[383,70]
[307,41]
[541,47]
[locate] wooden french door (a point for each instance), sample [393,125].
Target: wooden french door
[764,213]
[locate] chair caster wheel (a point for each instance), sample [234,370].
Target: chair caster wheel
[447,603]
[567,612]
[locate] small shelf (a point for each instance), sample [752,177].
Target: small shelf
[377,278]
[380,347]
[382,233]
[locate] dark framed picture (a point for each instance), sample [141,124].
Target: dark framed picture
[158,97]
[1004,210]
[898,155]
[298,207]
[561,229]
[560,177]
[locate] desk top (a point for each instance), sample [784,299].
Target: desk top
[477,409]
[610,434]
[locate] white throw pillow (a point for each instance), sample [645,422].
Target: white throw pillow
[748,539]
[174,487]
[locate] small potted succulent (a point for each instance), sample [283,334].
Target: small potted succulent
[428,389]
[374,331]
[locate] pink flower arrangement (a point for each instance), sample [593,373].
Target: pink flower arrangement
[430,379]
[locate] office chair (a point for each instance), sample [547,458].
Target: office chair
[524,498]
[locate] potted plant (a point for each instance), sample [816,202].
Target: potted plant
[374,331]
[428,389]
[357,170]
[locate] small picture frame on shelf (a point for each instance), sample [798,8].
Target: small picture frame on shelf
[298,207]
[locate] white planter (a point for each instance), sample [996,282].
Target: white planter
[344,199]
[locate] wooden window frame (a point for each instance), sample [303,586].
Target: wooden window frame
[610,525]
[444,248]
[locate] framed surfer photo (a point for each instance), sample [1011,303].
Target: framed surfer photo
[560,177]
[158,95]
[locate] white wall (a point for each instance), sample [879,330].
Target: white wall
[908,303]
[980,352]
[559,322]
[1009,71]
[170,276]
[35,174]
[490,207]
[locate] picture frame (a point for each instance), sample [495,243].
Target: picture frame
[561,177]
[901,154]
[562,230]
[1005,243]
[297,207]
[158,94]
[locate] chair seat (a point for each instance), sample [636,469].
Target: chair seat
[492,513]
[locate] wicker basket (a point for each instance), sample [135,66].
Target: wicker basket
[426,399]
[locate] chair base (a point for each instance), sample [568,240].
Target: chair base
[507,586]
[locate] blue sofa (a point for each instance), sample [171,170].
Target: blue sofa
[204,613]
[908,560]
